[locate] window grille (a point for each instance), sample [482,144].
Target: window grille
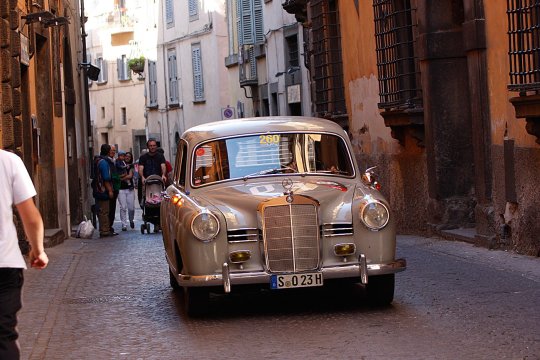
[399,76]
[292,47]
[524,44]
[327,63]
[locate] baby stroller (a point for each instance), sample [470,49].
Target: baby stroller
[151,203]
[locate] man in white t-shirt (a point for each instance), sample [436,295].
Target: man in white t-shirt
[16,189]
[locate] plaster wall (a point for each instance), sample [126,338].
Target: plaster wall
[402,168]
[517,223]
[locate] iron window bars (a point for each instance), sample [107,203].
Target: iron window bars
[328,66]
[524,44]
[399,75]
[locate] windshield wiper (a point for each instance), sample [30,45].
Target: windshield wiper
[270,171]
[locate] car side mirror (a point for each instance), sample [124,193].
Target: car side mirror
[369,178]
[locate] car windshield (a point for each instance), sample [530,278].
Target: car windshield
[258,155]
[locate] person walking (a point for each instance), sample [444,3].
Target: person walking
[126,196]
[152,163]
[102,190]
[115,176]
[17,190]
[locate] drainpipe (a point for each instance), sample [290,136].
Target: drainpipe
[85,89]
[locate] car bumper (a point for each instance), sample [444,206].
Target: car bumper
[359,269]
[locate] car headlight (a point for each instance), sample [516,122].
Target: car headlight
[205,226]
[374,215]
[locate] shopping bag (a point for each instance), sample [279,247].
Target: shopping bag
[85,229]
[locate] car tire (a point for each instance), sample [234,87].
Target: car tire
[143,227]
[173,282]
[380,290]
[196,301]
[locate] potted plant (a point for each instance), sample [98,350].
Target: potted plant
[136,64]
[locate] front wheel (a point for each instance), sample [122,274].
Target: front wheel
[380,289]
[196,300]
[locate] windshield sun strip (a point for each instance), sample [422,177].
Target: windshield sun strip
[311,173]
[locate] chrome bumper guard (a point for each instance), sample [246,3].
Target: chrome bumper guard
[358,269]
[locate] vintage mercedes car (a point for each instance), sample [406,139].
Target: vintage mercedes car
[274,201]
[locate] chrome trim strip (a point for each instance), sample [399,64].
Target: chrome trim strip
[334,235]
[349,270]
[241,241]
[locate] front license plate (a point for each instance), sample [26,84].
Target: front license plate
[290,281]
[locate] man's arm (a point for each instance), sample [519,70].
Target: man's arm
[33,228]
[141,176]
[164,172]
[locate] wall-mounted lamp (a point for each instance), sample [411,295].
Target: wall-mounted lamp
[46,18]
[291,70]
[92,71]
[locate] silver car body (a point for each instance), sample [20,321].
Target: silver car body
[246,208]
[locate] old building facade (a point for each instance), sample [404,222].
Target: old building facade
[120,32]
[43,117]
[443,97]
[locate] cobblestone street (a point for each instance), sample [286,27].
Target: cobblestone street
[110,299]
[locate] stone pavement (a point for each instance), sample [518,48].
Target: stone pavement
[130,269]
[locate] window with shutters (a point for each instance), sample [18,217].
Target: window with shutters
[169,13]
[123,69]
[103,73]
[152,84]
[123,116]
[249,19]
[524,43]
[193,10]
[398,68]
[172,68]
[198,83]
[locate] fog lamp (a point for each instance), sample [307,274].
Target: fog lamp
[344,249]
[240,256]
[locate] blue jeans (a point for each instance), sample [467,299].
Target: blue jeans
[11,282]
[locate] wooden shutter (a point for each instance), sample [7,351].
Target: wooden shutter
[198,84]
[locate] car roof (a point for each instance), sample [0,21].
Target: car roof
[227,128]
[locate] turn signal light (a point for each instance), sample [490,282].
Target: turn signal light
[241,256]
[177,200]
[344,249]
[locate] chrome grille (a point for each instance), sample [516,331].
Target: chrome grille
[330,230]
[291,237]
[243,235]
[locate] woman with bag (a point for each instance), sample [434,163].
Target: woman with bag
[126,196]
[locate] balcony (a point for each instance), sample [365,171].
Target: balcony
[247,65]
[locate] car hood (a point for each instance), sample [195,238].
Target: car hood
[238,201]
